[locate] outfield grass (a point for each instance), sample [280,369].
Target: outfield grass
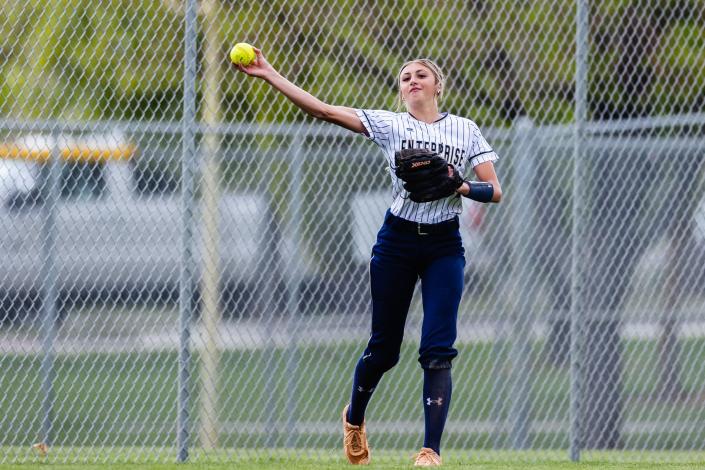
[130,399]
[283,459]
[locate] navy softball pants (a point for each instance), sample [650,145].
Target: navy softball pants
[404,252]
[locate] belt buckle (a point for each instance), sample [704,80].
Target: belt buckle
[418,229]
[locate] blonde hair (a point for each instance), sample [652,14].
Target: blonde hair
[435,70]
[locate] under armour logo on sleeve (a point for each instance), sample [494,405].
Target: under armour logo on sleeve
[438,402]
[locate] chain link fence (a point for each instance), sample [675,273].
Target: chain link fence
[185,254]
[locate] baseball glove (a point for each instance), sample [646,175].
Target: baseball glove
[425,174]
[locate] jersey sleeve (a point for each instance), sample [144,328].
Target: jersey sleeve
[480,151]
[378,125]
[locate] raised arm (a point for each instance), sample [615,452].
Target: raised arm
[340,115]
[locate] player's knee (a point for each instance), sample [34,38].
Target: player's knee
[435,363]
[389,362]
[383,362]
[437,357]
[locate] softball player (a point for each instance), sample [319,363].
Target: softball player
[417,240]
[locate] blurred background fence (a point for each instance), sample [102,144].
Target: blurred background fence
[185,255]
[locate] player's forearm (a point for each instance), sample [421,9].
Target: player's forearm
[485,174]
[301,98]
[479,192]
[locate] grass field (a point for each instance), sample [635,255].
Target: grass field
[282,459]
[107,402]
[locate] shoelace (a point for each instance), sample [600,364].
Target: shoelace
[354,439]
[427,455]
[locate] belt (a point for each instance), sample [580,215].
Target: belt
[403,225]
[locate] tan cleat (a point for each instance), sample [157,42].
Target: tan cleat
[41,449]
[355,441]
[427,458]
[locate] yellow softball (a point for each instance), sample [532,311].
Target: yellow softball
[242,53]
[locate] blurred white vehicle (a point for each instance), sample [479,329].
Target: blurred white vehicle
[111,236]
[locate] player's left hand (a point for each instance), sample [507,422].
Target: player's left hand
[426,175]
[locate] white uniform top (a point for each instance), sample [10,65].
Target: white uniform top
[456,139]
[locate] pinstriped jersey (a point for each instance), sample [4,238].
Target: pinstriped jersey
[456,139]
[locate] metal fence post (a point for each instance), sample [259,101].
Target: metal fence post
[581,81]
[50,290]
[521,236]
[294,280]
[186,290]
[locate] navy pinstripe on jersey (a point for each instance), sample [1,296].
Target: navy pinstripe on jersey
[456,139]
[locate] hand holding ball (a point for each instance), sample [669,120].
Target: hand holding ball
[250,61]
[242,54]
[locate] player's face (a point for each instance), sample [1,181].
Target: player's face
[417,84]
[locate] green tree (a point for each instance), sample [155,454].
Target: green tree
[81,59]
